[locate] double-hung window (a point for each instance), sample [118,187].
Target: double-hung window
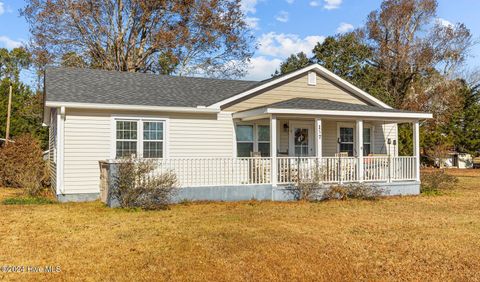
[346,140]
[153,139]
[367,141]
[126,142]
[263,140]
[244,140]
[253,138]
[139,138]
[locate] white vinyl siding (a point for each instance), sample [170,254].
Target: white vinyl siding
[297,88]
[89,139]
[382,132]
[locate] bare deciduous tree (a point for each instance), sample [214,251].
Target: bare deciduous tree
[209,37]
[411,45]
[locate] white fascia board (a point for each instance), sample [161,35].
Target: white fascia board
[349,113]
[319,69]
[94,106]
[250,113]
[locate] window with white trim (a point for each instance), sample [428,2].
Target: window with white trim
[153,139]
[126,140]
[139,138]
[263,140]
[346,140]
[245,140]
[252,138]
[367,141]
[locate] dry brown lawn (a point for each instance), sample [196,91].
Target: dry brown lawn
[402,238]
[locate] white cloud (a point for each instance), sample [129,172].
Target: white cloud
[283,45]
[290,1]
[444,22]
[314,3]
[261,68]
[2,8]
[9,43]
[344,27]
[282,17]
[332,4]
[249,6]
[252,22]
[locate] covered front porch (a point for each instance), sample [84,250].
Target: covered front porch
[338,142]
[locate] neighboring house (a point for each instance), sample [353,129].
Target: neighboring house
[455,160]
[225,139]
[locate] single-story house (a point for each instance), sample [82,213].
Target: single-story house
[224,139]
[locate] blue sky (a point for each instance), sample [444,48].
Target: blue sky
[282,27]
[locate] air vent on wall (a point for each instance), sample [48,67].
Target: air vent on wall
[312,78]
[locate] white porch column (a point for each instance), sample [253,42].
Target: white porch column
[359,149]
[273,148]
[318,136]
[416,148]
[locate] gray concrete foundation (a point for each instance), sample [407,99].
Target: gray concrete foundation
[270,193]
[84,197]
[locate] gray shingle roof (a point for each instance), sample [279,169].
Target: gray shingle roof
[323,104]
[113,87]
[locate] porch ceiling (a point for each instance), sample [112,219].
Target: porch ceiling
[328,108]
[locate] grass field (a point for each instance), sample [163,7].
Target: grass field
[401,238]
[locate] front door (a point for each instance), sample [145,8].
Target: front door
[301,139]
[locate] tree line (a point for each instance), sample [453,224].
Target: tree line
[403,55]
[410,60]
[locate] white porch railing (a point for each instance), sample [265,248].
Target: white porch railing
[192,172]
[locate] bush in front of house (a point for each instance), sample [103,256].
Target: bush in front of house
[312,189]
[437,182]
[22,166]
[307,188]
[136,185]
[360,191]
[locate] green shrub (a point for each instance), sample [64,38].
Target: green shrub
[137,186]
[434,183]
[22,165]
[360,191]
[28,201]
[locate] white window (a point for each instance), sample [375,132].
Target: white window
[126,143]
[139,138]
[252,138]
[153,139]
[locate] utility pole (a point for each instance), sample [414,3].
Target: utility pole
[9,109]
